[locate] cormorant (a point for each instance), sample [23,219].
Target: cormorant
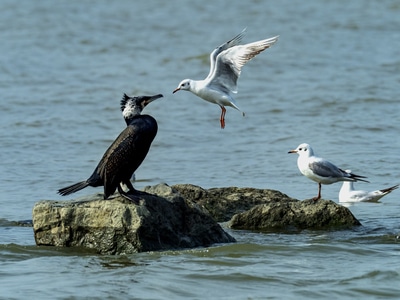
[126,153]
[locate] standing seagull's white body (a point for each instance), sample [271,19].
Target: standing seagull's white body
[349,194]
[319,169]
[226,63]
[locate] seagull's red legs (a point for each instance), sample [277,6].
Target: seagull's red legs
[319,192]
[222,119]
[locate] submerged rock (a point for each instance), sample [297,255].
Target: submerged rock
[295,215]
[163,220]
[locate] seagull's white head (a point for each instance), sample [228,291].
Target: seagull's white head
[184,85]
[303,150]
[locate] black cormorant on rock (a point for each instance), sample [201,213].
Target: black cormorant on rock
[126,153]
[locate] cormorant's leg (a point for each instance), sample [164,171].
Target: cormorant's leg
[132,190]
[129,186]
[222,118]
[130,196]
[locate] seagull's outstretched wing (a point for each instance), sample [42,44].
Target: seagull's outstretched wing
[232,42]
[229,63]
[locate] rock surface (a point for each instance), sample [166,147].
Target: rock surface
[294,216]
[223,203]
[162,221]
[180,216]
[267,210]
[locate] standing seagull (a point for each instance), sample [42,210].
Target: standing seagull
[226,62]
[349,194]
[319,169]
[126,153]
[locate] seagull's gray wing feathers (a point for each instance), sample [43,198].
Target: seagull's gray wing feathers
[229,63]
[232,42]
[325,168]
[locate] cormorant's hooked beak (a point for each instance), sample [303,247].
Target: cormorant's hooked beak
[175,90]
[152,98]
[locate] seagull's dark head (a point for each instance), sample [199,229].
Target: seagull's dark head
[183,85]
[133,106]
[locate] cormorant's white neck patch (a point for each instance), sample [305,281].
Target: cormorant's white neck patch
[130,107]
[131,110]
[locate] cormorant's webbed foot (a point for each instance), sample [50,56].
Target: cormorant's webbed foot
[131,195]
[132,198]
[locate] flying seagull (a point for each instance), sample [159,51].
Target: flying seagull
[226,63]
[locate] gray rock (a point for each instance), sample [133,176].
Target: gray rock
[181,216]
[267,210]
[294,216]
[223,203]
[161,221]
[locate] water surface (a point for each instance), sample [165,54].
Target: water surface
[331,81]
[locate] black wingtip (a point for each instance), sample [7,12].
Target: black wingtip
[359,178]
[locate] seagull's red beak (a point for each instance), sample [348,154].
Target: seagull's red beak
[175,90]
[292,151]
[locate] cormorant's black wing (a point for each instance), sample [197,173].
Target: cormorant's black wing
[126,153]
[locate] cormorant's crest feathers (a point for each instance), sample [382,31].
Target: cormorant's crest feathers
[124,100]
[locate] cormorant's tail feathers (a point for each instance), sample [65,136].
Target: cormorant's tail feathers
[73,188]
